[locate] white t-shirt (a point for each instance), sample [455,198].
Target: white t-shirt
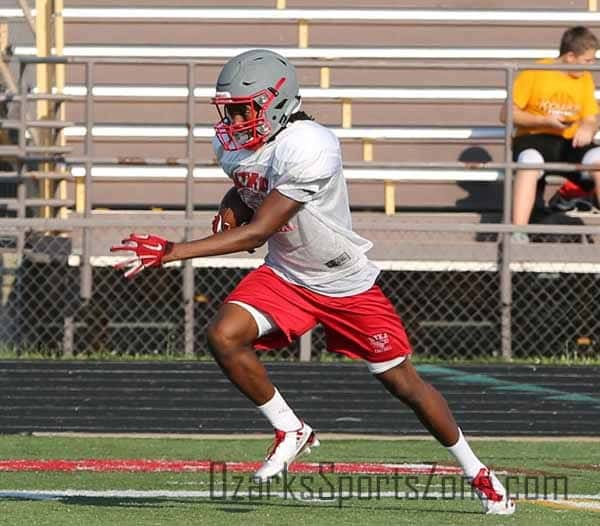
[317,249]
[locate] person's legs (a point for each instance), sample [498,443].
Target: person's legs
[230,338]
[592,156]
[367,326]
[525,186]
[260,313]
[596,177]
[243,324]
[532,149]
[405,383]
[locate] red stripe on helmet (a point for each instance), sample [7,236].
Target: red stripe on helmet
[280,83]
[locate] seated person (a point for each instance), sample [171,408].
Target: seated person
[555,115]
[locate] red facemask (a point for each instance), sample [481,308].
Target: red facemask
[255,129]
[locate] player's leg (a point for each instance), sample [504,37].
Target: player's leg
[405,383]
[368,327]
[230,338]
[431,408]
[237,329]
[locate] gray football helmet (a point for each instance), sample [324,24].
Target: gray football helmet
[256,94]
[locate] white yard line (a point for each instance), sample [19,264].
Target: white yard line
[324,436]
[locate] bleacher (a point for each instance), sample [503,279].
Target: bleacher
[380,110]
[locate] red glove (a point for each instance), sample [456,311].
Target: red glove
[149,251]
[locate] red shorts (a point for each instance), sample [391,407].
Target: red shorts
[363,326]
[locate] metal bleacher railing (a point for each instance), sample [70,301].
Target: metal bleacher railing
[73,262]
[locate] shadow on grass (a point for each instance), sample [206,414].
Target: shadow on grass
[237,506]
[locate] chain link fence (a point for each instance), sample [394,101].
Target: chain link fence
[451,309]
[556,313]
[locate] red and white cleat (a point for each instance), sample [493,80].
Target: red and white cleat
[493,496]
[284,450]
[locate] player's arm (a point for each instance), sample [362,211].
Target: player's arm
[275,211]
[148,251]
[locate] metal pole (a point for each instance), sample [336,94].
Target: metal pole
[86,268]
[44,71]
[505,274]
[188,269]
[59,84]
[21,164]
[68,336]
[306,346]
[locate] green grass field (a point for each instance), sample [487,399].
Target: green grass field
[184,498]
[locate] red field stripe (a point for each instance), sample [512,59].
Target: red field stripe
[198,466]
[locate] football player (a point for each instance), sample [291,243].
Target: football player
[288,168]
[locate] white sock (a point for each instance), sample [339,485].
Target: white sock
[465,456]
[280,414]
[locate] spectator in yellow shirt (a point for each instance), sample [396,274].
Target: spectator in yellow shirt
[555,115]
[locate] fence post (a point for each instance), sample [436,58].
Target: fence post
[505,274]
[306,346]
[68,336]
[86,268]
[21,166]
[188,270]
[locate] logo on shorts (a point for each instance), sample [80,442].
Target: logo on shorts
[380,342]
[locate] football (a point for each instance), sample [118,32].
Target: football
[233,212]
